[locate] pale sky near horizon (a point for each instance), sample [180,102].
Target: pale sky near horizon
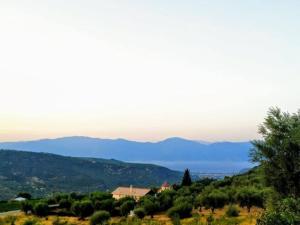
[146,70]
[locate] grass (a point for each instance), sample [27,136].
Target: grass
[198,218]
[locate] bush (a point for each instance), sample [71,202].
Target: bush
[140,212]
[99,217]
[232,211]
[41,209]
[183,210]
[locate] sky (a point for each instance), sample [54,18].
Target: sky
[146,70]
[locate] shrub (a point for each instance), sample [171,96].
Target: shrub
[232,211]
[183,210]
[140,212]
[41,209]
[99,217]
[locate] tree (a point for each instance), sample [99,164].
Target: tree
[99,218]
[126,207]
[279,151]
[249,196]
[150,207]
[65,203]
[183,210]
[83,209]
[140,212]
[186,180]
[26,207]
[106,204]
[41,209]
[214,200]
[287,212]
[24,195]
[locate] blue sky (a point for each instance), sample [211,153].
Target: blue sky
[146,70]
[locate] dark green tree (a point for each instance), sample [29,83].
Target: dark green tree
[99,218]
[24,195]
[83,209]
[26,207]
[41,209]
[279,151]
[250,196]
[214,200]
[186,180]
[150,206]
[140,212]
[126,207]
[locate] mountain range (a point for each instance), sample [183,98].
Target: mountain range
[175,153]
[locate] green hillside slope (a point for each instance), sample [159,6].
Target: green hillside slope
[41,174]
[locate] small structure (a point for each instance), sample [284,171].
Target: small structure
[135,193]
[165,186]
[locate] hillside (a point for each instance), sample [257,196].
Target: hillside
[43,173]
[175,153]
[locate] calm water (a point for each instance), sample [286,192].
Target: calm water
[204,166]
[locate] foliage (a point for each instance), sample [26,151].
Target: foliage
[42,174]
[186,180]
[214,199]
[99,218]
[285,212]
[41,209]
[126,207]
[26,207]
[140,212]
[183,210]
[150,205]
[279,151]
[82,208]
[249,196]
[24,195]
[65,203]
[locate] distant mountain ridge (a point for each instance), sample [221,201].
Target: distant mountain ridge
[44,173]
[171,149]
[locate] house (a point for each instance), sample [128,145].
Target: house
[165,186]
[135,193]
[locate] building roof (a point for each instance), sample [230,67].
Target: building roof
[131,191]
